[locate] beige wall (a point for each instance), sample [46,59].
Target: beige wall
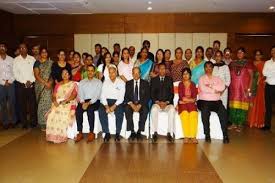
[86,42]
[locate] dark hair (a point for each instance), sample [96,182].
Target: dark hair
[3,43]
[115,53]
[85,53]
[227,48]
[77,53]
[186,69]
[217,42]
[209,63]
[159,50]
[89,55]
[272,47]
[219,51]
[71,51]
[70,74]
[162,64]
[98,45]
[61,50]
[178,48]
[209,48]
[91,65]
[122,53]
[146,42]
[116,44]
[167,50]
[241,49]
[187,50]
[257,50]
[200,48]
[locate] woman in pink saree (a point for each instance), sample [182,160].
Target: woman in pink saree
[62,113]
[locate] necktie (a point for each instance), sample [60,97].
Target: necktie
[136,92]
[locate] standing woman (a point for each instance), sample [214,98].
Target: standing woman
[197,65]
[222,71]
[241,72]
[76,67]
[71,57]
[178,65]
[187,107]
[125,66]
[103,69]
[43,86]
[62,112]
[115,58]
[144,63]
[58,66]
[168,62]
[256,115]
[159,58]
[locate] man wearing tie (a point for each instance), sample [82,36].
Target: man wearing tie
[136,99]
[162,96]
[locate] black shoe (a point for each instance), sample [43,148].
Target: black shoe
[117,138]
[155,137]
[265,128]
[225,140]
[132,136]
[207,138]
[139,136]
[169,137]
[107,137]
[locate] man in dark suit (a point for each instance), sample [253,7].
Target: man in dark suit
[136,98]
[162,95]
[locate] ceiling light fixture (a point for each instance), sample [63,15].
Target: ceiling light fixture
[149,8]
[271,7]
[149,2]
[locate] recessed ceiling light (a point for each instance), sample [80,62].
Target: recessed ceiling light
[149,8]
[149,2]
[271,7]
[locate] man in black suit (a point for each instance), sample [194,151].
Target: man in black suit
[162,95]
[136,98]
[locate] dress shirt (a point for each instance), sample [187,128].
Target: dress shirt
[269,71]
[138,83]
[208,93]
[125,70]
[113,90]
[23,69]
[6,70]
[89,89]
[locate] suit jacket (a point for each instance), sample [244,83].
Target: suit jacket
[144,92]
[163,93]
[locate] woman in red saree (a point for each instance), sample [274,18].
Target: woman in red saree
[256,115]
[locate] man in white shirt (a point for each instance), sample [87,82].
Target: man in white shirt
[112,97]
[209,54]
[23,74]
[7,88]
[269,73]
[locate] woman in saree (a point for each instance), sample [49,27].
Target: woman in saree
[178,65]
[256,114]
[43,86]
[76,67]
[144,64]
[241,72]
[62,112]
[197,65]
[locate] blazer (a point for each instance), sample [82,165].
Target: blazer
[144,92]
[163,93]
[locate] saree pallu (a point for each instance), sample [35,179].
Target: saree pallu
[238,96]
[59,118]
[256,114]
[43,94]
[145,68]
[197,71]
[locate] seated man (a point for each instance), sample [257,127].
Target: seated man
[89,95]
[162,96]
[210,91]
[112,98]
[136,98]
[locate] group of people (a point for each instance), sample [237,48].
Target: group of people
[57,93]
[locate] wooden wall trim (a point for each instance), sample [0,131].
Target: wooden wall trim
[146,23]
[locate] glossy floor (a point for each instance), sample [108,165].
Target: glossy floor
[25,156]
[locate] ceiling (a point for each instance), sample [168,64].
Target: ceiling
[133,6]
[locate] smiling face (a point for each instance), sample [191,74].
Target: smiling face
[3,49]
[136,73]
[65,75]
[108,59]
[188,54]
[61,56]
[240,55]
[178,54]
[144,54]
[90,72]
[258,56]
[186,76]
[159,56]
[23,49]
[125,54]
[112,73]
[199,54]
[76,59]
[208,69]
[88,60]
[218,57]
[167,55]
[44,54]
